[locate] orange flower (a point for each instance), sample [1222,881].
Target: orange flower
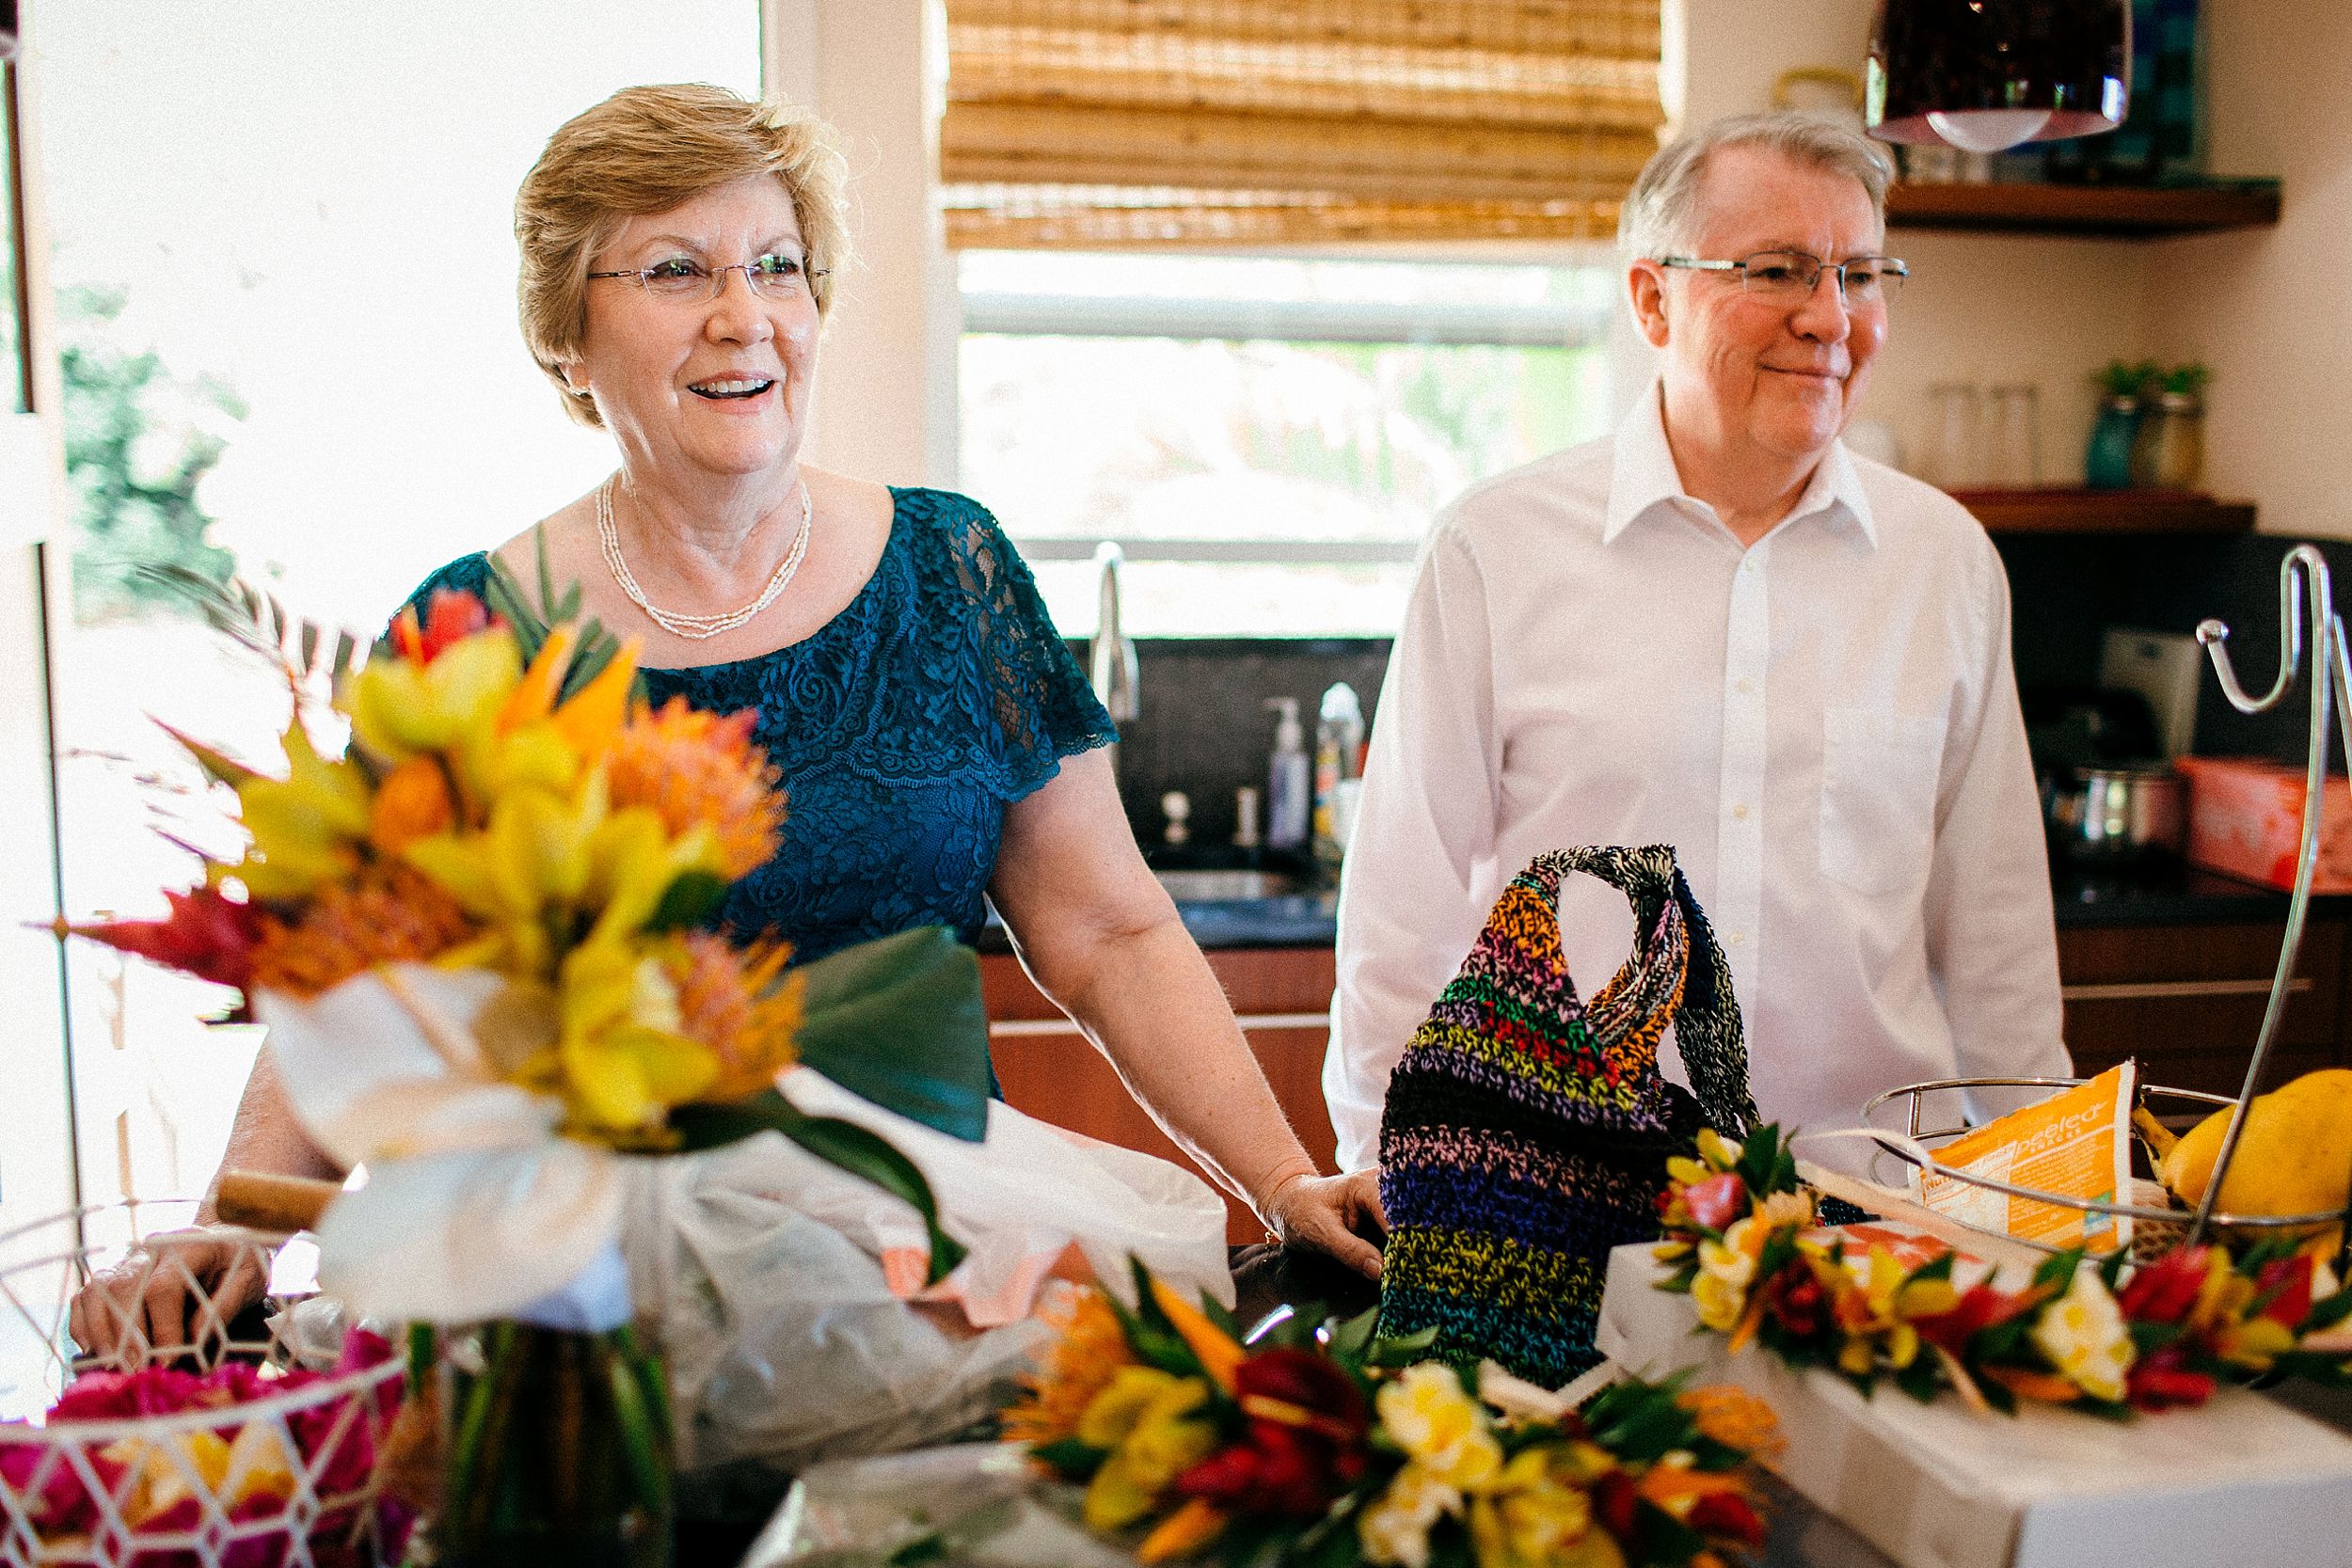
[1734,1418]
[1182,1532]
[389,914]
[739,1002]
[693,767]
[411,803]
[1090,1350]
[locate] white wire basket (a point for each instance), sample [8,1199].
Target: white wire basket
[240,1445]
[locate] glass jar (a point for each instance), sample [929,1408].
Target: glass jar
[1956,454]
[2107,463]
[2013,461]
[2177,460]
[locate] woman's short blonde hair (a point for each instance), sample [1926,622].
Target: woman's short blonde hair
[648,149]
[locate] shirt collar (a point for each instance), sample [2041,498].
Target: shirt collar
[1643,476]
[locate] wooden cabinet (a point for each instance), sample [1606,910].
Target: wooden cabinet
[1049,1069]
[2187,1000]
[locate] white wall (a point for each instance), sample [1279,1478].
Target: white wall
[2269,308]
[886,399]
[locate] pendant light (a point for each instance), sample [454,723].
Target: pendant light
[1986,75]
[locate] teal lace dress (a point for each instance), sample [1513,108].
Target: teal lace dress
[903,728]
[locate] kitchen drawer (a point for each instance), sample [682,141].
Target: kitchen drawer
[2187,1000]
[1052,1072]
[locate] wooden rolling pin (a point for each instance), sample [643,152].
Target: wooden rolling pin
[261,1200]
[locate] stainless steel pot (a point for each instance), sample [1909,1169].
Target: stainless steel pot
[2119,815]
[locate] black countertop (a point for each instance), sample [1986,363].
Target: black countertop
[2175,895]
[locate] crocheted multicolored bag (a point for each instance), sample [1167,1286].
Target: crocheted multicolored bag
[1526,1131]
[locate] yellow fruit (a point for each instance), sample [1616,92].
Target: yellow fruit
[2294,1158]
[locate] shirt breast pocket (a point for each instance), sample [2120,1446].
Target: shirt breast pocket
[1879,771]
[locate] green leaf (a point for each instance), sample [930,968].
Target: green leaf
[1070,1458]
[899,1022]
[1400,1350]
[690,899]
[1351,1339]
[839,1142]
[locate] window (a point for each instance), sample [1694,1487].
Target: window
[285,267]
[1266,438]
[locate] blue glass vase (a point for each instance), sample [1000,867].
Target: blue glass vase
[2107,463]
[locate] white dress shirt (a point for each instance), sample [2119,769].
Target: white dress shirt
[1824,724]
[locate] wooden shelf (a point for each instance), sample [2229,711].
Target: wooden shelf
[2128,211]
[2105,512]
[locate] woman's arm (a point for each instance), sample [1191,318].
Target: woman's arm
[1102,939]
[144,1302]
[265,1137]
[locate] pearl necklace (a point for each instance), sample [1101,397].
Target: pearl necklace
[695,627]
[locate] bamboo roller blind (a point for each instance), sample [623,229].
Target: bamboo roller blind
[1108,122]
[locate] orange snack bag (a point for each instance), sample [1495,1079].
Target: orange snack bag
[2077,1143]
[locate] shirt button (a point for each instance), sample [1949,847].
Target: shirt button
[1747,564]
[1743,685]
[1740,812]
[1737,938]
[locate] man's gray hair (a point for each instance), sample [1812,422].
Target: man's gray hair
[1661,213]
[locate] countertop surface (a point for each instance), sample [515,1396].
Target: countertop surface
[2174,895]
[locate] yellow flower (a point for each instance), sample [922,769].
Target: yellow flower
[624,1060]
[1782,1209]
[306,826]
[403,706]
[1426,1410]
[1717,1151]
[412,803]
[1726,1271]
[1537,1514]
[2083,1336]
[1394,1527]
[1146,1418]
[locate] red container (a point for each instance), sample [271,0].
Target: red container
[2246,820]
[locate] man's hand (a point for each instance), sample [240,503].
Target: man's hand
[149,1298]
[1330,1214]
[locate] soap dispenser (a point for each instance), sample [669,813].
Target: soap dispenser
[1338,772]
[1287,773]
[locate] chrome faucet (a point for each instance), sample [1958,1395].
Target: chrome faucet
[1111,661]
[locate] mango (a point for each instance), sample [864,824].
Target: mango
[2294,1158]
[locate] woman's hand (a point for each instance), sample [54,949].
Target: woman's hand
[1329,1214]
[150,1295]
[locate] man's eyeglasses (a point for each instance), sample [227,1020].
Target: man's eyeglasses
[1787,276]
[686,282]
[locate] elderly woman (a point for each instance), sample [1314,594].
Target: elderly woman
[937,742]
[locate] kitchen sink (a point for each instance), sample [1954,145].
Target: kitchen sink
[1189,886]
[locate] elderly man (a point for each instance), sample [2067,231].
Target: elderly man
[1718,629]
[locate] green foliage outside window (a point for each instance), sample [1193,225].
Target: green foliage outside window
[138,442]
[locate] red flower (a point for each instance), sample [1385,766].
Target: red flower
[207,935]
[2163,1291]
[2161,1380]
[1795,1299]
[451,617]
[1716,1201]
[1614,1499]
[1304,1444]
[2292,1278]
[1726,1514]
[1979,1309]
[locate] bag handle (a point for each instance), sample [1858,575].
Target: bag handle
[1675,950]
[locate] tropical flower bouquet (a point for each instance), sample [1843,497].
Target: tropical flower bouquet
[480,940]
[1324,1445]
[2112,1340]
